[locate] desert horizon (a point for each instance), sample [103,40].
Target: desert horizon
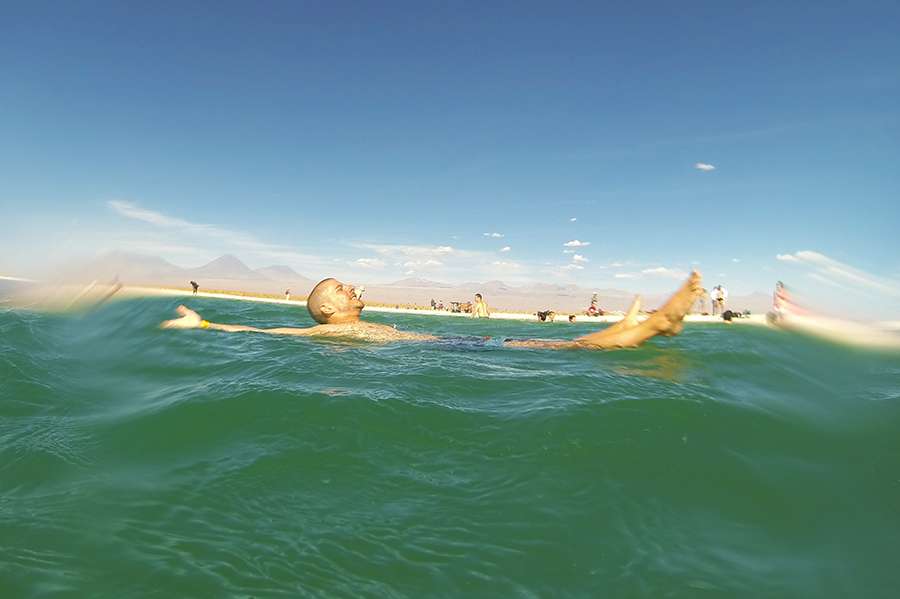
[228,273]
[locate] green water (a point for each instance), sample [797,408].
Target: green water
[727,462]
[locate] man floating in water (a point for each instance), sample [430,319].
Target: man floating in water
[336,307]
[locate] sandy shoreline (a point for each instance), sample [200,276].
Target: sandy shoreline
[561,317]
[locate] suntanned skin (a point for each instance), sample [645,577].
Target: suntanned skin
[337,307]
[334,302]
[480,308]
[628,332]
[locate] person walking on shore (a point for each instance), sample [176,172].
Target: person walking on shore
[196,286]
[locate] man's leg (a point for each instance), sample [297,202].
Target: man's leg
[665,321]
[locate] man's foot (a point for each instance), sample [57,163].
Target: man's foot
[631,318]
[628,321]
[189,319]
[667,320]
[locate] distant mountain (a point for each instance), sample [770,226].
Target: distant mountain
[563,290]
[495,287]
[417,282]
[229,273]
[226,267]
[126,266]
[224,273]
[280,272]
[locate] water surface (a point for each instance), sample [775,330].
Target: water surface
[729,461]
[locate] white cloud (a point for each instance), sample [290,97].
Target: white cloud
[658,271]
[494,235]
[20,279]
[579,258]
[735,260]
[703,166]
[158,247]
[825,280]
[662,271]
[427,263]
[573,219]
[616,265]
[411,251]
[369,262]
[129,210]
[505,248]
[573,266]
[577,244]
[200,233]
[568,251]
[450,263]
[841,274]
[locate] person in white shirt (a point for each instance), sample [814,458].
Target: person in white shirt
[719,297]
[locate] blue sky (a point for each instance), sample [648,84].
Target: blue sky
[375,141]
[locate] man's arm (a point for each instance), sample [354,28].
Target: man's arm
[191,320]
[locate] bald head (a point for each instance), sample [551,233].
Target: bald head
[333,302]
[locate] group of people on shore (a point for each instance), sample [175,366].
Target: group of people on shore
[592,310]
[477,308]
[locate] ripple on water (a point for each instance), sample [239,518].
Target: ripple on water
[136,461]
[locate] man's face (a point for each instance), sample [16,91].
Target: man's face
[342,298]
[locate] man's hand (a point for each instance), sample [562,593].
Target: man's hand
[189,320]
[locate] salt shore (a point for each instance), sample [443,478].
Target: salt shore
[561,317]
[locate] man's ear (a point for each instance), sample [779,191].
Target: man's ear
[327,309]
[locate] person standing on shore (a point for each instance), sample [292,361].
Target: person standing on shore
[719,297]
[593,309]
[480,308]
[196,286]
[702,298]
[287,294]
